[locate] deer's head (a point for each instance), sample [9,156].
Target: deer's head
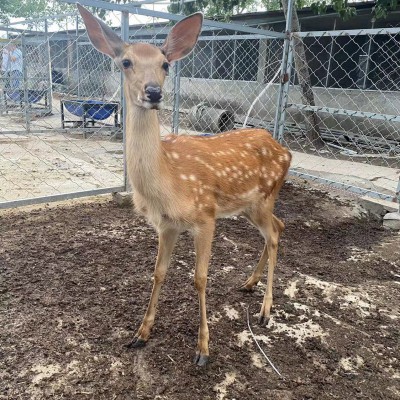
[145,66]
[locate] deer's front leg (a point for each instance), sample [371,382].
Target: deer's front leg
[167,240]
[202,240]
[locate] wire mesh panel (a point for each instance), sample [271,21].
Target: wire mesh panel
[25,79]
[354,136]
[61,131]
[211,90]
[223,76]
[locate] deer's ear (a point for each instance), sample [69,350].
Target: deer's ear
[183,37]
[103,38]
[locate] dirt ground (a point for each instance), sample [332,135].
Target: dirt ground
[75,281]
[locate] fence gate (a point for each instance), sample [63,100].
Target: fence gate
[60,124]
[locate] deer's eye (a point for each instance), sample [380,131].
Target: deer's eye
[165,67]
[126,63]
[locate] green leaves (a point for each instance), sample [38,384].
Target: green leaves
[213,8]
[10,9]
[381,9]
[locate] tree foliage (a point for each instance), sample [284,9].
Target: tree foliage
[227,8]
[221,8]
[10,9]
[346,11]
[274,5]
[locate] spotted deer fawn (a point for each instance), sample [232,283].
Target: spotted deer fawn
[184,183]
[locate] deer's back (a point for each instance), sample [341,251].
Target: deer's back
[225,174]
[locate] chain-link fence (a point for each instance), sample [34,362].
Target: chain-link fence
[60,124]
[63,136]
[341,116]
[346,132]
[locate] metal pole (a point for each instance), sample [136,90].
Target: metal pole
[177,87]
[171,17]
[285,93]
[368,57]
[4,84]
[285,76]
[234,59]
[77,54]
[125,37]
[25,85]
[212,57]
[330,57]
[50,90]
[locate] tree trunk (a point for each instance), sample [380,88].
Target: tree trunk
[303,75]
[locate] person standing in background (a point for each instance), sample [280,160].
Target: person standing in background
[12,66]
[4,65]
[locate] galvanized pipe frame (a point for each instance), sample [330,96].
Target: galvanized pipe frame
[350,32]
[59,197]
[125,37]
[283,93]
[173,17]
[349,113]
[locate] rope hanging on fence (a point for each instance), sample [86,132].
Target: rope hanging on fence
[259,96]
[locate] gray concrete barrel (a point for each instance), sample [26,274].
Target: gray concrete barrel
[209,119]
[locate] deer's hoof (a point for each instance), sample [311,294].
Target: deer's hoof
[249,285]
[136,343]
[244,288]
[263,320]
[200,360]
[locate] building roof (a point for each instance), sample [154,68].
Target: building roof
[310,21]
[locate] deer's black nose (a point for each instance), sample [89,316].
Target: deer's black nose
[153,92]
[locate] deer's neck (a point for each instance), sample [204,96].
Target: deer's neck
[145,160]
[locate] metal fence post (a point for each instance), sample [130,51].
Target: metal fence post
[285,76]
[177,87]
[125,37]
[49,104]
[25,99]
[77,55]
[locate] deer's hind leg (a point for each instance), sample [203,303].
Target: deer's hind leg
[203,241]
[270,227]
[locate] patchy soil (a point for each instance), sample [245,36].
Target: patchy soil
[76,280]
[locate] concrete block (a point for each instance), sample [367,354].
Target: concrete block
[392,221]
[123,199]
[376,207]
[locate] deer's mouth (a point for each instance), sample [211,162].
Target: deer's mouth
[151,105]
